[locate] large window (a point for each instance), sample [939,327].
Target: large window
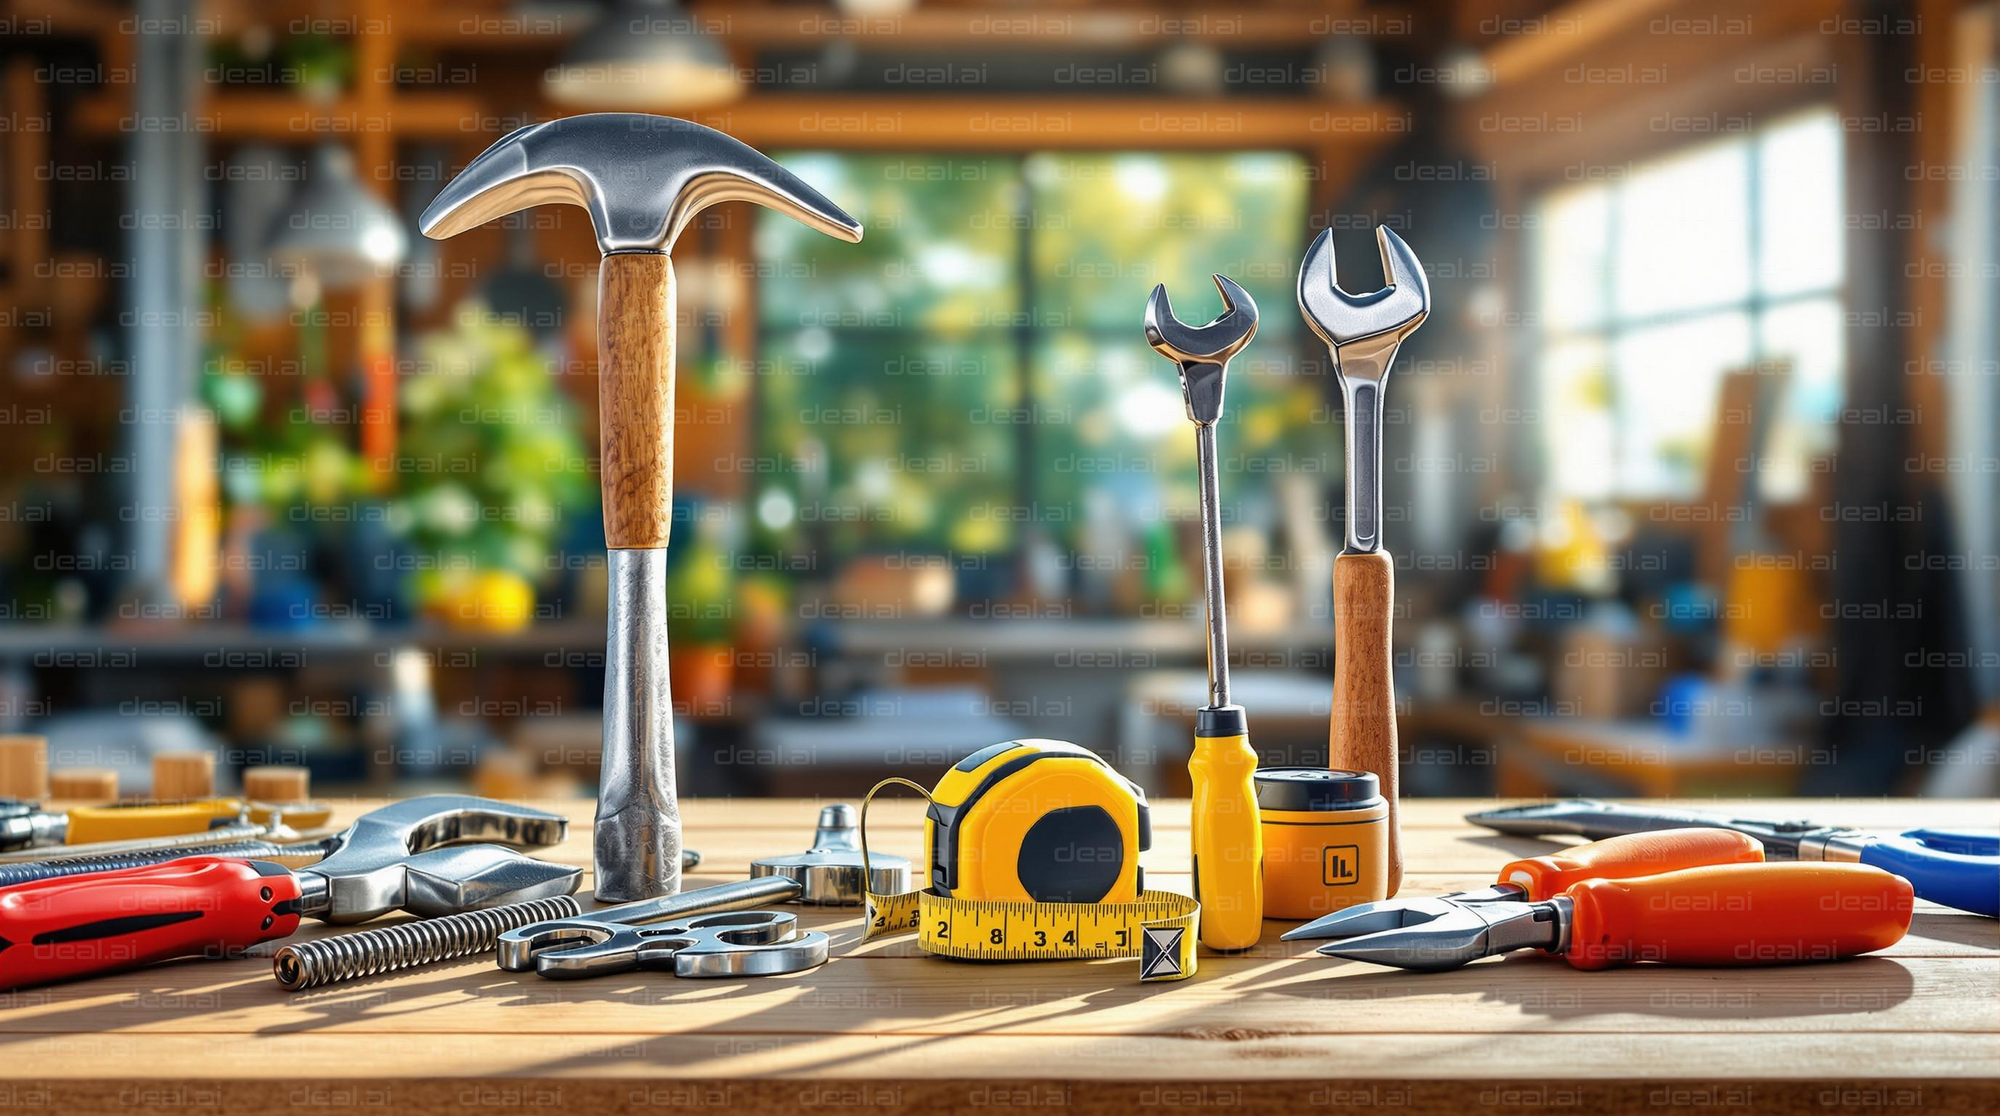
[1651,286]
[973,376]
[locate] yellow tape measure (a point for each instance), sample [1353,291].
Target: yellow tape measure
[1160,927]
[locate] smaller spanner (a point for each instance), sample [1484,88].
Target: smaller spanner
[742,943]
[1228,842]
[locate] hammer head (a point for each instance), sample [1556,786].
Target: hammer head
[642,177]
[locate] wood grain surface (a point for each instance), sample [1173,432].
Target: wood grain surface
[1361,735]
[635,396]
[882,1027]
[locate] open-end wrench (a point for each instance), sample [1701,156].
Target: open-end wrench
[1228,842]
[1363,332]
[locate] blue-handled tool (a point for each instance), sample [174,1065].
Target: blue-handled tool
[1955,868]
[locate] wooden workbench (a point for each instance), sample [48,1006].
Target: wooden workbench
[883,1027]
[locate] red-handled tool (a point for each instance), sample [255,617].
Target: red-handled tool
[64,928]
[1543,877]
[404,856]
[1726,914]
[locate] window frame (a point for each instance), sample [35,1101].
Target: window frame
[1755,305]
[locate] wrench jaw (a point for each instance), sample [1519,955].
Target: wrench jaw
[439,882]
[1362,333]
[749,943]
[568,949]
[474,877]
[409,852]
[1202,352]
[1341,318]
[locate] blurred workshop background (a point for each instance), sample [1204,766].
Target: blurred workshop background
[1692,476]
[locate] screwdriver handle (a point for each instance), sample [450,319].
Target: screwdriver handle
[1738,914]
[1362,733]
[1228,839]
[60,929]
[1634,854]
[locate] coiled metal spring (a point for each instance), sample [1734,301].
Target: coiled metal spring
[409,944]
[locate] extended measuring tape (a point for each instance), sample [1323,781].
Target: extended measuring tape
[1031,849]
[1160,929]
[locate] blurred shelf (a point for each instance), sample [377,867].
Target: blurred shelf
[286,116]
[235,643]
[864,122]
[1002,639]
[1014,123]
[1039,639]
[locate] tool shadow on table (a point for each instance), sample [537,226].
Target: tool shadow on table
[1544,987]
[1940,924]
[765,1027]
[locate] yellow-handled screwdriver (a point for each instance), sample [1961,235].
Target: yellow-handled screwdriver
[1228,842]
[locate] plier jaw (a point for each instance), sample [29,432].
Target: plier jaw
[1395,914]
[1458,933]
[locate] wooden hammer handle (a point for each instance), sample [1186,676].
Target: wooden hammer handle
[1363,730]
[635,395]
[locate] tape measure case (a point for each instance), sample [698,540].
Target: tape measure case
[1040,821]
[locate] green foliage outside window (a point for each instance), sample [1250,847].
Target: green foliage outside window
[975,370]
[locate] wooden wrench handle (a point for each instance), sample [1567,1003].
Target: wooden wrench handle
[1363,729]
[635,396]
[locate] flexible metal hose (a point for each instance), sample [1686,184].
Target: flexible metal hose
[409,944]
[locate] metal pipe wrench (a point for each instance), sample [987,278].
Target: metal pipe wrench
[406,856]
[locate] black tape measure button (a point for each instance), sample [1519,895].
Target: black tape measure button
[1072,855]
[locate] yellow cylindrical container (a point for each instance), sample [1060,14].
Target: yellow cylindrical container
[1325,840]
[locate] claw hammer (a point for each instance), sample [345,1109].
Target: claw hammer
[643,178]
[1362,332]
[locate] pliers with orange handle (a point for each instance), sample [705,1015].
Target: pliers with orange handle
[1723,914]
[1544,877]
[1693,896]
